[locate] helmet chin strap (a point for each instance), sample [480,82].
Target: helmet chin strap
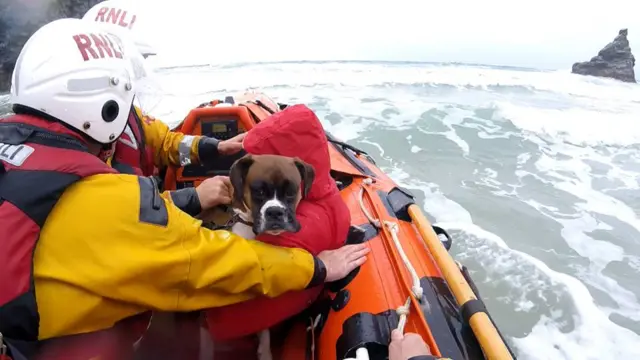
[105,151]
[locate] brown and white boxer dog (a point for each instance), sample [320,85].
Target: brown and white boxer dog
[266,193]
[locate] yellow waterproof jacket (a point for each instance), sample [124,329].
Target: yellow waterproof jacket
[113,246]
[168,147]
[163,147]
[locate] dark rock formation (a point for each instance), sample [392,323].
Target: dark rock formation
[614,61]
[19,19]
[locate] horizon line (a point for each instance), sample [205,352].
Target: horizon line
[403,62]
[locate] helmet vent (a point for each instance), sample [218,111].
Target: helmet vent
[110,111]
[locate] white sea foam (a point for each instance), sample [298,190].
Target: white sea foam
[594,336]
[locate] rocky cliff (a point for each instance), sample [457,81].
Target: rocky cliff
[614,61]
[19,19]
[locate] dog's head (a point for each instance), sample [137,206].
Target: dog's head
[268,188]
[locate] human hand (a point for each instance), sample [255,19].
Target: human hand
[404,347]
[340,262]
[214,191]
[231,146]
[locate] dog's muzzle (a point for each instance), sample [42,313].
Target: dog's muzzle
[277,219]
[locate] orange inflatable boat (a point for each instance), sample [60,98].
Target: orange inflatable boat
[409,282]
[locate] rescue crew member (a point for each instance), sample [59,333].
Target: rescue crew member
[82,247]
[148,144]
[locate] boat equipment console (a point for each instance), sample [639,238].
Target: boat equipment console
[222,122]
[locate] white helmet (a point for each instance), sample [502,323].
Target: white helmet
[79,74]
[121,16]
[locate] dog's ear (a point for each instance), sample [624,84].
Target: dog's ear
[237,175]
[306,173]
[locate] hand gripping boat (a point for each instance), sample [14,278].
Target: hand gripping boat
[410,281]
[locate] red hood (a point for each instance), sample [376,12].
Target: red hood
[324,219]
[295,131]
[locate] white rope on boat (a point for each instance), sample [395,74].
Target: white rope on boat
[403,310]
[375,222]
[312,328]
[416,288]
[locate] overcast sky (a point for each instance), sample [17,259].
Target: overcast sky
[541,33]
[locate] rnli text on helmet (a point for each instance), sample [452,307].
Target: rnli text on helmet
[97,45]
[115,16]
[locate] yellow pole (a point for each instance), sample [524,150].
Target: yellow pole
[486,333]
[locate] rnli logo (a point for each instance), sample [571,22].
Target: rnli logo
[148,119]
[98,46]
[15,154]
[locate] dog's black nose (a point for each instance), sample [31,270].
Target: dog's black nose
[274,213]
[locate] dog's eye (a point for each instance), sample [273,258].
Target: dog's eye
[259,193]
[290,193]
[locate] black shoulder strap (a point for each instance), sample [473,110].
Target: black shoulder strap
[17,133]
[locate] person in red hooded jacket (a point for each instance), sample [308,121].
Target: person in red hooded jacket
[323,216]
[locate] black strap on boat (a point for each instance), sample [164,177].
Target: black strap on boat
[265,107]
[470,308]
[350,154]
[448,240]
[346,146]
[470,312]
[475,306]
